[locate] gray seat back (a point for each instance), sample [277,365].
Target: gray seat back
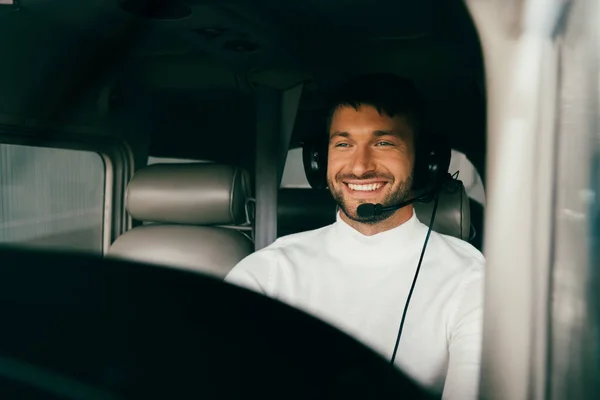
[184,208]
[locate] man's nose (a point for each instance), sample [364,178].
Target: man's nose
[363,162]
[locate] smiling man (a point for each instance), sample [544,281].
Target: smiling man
[356,273]
[370,160]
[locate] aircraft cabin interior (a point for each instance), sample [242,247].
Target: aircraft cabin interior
[177,134]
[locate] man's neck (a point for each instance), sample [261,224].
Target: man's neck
[397,219]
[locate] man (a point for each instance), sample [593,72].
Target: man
[356,273]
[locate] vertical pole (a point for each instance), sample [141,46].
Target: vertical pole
[289,111]
[275,116]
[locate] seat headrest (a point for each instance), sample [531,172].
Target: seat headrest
[304,209]
[189,194]
[453,215]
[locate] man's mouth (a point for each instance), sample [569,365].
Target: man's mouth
[369,187]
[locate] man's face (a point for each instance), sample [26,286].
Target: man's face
[370,160]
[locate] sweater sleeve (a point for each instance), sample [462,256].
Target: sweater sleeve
[462,379]
[255,272]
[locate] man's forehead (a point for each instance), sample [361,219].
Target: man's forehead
[371,133]
[365,110]
[367,115]
[397,127]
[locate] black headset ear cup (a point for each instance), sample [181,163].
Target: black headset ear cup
[432,161]
[314,157]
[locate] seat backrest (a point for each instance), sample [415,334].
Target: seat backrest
[304,209]
[184,208]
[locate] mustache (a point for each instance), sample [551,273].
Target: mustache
[368,175]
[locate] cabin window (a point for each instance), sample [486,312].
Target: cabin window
[52,198]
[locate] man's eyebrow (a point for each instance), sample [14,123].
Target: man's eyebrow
[342,134]
[380,133]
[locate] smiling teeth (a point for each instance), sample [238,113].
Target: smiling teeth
[365,188]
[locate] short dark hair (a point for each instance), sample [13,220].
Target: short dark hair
[388,93]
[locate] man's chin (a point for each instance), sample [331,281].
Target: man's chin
[349,207]
[352,214]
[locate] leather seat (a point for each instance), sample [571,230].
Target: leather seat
[304,209]
[184,208]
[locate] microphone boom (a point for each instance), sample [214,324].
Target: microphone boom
[370,210]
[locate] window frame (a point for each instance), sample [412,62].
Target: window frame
[115,153]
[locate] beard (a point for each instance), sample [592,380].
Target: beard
[392,197]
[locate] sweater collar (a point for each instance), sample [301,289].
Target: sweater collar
[394,243]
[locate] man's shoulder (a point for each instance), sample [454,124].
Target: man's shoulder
[256,271]
[458,257]
[458,247]
[284,243]
[298,239]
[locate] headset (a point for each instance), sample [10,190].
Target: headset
[430,174]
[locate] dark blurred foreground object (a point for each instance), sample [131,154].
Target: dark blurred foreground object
[81,327]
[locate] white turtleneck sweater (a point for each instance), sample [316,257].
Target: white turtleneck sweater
[360,285]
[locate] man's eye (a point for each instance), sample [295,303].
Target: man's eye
[341,145]
[384,144]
